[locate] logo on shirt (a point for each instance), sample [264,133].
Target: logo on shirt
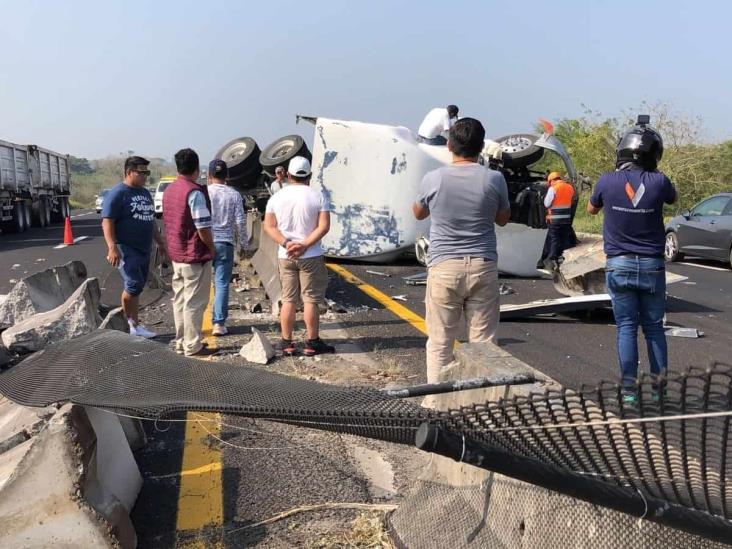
[635,196]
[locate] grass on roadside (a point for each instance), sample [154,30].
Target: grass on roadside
[368,530]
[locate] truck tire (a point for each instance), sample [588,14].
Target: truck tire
[281,151]
[17,224]
[241,156]
[47,211]
[519,150]
[38,212]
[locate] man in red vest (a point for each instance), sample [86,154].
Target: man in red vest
[558,202]
[187,218]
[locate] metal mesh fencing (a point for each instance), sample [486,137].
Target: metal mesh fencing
[665,457]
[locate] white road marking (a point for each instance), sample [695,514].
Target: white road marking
[77,239]
[710,267]
[81,215]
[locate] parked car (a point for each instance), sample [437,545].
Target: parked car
[703,231]
[158,197]
[99,202]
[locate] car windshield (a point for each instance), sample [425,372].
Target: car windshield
[163,186]
[103,192]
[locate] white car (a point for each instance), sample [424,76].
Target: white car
[99,200]
[370,173]
[159,190]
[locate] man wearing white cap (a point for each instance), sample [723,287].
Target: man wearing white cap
[297,218]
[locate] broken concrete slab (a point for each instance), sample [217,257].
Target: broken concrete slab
[583,270]
[77,316]
[115,320]
[258,350]
[39,501]
[41,292]
[265,264]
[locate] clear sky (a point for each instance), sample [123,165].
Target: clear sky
[93,78]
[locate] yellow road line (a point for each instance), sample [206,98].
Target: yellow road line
[201,499]
[400,310]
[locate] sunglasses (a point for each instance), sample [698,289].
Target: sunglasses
[142,172]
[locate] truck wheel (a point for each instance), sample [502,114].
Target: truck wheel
[38,215]
[46,211]
[519,150]
[281,151]
[17,224]
[241,156]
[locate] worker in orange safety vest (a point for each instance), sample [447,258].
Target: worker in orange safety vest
[558,202]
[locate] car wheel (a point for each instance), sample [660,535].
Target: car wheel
[519,150]
[671,249]
[281,151]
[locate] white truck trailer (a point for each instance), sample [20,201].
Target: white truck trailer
[35,185]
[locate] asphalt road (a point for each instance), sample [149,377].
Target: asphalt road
[573,349]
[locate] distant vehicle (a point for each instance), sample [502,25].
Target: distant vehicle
[159,190]
[35,186]
[703,231]
[99,202]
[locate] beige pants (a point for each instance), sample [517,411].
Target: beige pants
[468,286]
[191,291]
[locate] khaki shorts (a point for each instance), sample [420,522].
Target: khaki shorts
[303,277]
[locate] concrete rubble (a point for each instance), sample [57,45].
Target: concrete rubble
[258,350]
[70,481]
[41,292]
[77,316]
[115,320]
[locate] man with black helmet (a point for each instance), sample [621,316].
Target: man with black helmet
[633,197]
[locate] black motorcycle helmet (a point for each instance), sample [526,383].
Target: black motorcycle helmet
[641,145]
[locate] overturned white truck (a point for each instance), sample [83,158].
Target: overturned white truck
[371,174]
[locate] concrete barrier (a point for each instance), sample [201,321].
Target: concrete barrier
[264,262]
[71,484]
[460,506]
[41,292]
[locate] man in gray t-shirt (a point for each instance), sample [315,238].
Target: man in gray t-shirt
[465,201]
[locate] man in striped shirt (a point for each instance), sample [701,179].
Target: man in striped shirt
[228,217]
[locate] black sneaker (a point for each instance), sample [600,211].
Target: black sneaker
[317,347]
[287,347]
[204,351]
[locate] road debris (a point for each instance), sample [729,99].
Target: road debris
[377,273]
[401,297]
[505,289]
[258,350]
[673,331]
[419,279]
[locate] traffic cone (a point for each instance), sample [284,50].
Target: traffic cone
[68,235]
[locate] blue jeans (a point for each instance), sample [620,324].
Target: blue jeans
[223,264]
[637,286]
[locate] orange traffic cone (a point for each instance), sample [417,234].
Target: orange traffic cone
[68,235]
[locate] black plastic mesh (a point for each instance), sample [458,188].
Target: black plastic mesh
[682,460]
[110,369]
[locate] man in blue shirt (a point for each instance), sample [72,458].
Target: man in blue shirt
[633,198]
[128,222]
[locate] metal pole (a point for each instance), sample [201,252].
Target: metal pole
[458,385]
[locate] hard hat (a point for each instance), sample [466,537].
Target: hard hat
[554,175]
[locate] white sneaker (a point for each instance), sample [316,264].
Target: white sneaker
[140,331]
[219,330]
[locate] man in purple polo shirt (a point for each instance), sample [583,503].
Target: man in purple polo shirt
[633,197]
[187,218]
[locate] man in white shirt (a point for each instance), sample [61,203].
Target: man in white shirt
[434,128]
[297,218]
[280,180]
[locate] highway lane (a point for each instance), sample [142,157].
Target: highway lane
[580,348]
